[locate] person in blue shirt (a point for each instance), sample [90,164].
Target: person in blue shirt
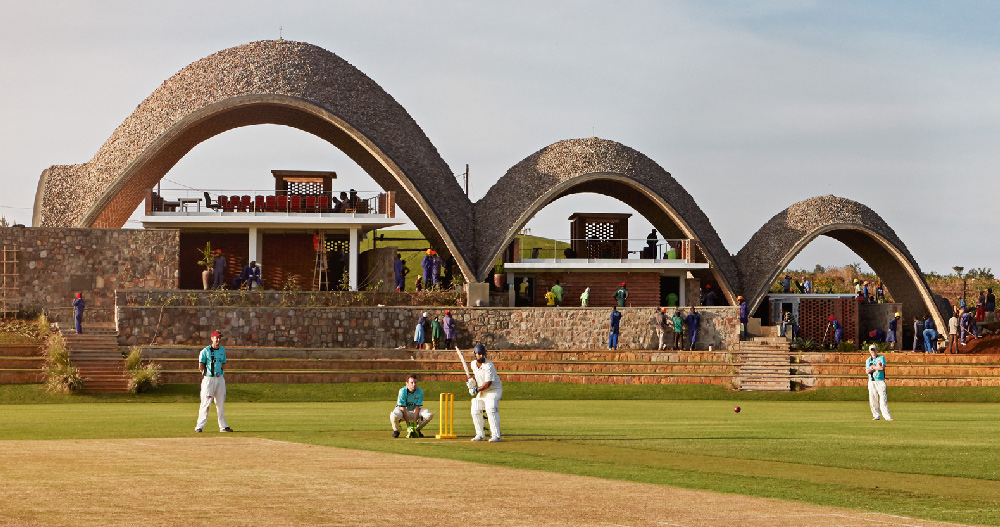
[693,321]
[410,408]
[213,384]
[890,336]
[744,317]
[877,398]
[616,317]
[397,273]
[78,306]
[930,335]
[838,330]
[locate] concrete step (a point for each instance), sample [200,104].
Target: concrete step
[400,376]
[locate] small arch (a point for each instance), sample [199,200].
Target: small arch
[858,227]
[602,167]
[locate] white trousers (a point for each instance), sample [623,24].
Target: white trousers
[212,389]
[490,402]
[397,415]
[878,399]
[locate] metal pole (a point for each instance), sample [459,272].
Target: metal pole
[466,180]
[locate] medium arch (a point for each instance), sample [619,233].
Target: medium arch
[603,167]
[269,82]
[858,227]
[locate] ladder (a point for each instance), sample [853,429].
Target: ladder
[321,270]
[8,277]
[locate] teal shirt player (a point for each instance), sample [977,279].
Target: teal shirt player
[876,375]
[410,399]
[213,359]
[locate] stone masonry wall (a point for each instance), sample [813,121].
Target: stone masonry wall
[54,264]
[390,327]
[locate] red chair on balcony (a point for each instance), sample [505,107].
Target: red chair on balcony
[234,202]
[310,203]
[224,203]
[324,203]
[269,203]
[282,203]
[258,203]
[246,205]
[296,203]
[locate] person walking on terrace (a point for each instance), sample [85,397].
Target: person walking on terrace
[621,295]
[78,306]
[693,321]
[616,317]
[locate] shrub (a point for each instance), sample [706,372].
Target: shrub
[60,374]
[846,346]
[804,344]
[142,378]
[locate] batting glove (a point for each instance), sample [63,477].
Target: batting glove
[473,387]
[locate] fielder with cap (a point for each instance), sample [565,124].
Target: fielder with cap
[410,408]
[877,398]
[213,385]
[487,391]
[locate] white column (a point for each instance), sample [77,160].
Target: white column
[682,297]
[255,242]
[511,286]
[353,259]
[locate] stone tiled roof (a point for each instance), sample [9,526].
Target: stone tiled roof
[858,227]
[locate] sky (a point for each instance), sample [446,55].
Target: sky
[750,106]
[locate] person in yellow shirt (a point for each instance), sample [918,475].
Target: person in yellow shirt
[550,298]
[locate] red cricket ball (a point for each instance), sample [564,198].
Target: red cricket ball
[737,409]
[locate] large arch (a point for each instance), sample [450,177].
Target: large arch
[603,167]
[858,227]
[269,82]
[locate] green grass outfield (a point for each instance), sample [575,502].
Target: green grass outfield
[938,460]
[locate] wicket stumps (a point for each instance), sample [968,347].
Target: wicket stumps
[446,419]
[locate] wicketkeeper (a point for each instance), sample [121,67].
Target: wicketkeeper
[486,389]
[409,408]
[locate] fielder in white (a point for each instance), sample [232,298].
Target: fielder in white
[877,397]
[488,391]
[213,384]
[410,408]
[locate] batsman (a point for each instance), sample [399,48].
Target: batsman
[486,390]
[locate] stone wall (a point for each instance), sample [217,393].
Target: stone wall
[876,316]
[54,264]
[390,327]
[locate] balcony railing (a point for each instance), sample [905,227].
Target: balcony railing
[611,249]
[200,201]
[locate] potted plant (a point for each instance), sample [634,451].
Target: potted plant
[499,276]
[206,262]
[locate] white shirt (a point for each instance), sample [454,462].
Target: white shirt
[486,372]
[953,325]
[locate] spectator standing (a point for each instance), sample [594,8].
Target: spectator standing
[436,263]
[838,330]
[890,335]
[678,331]
[744,317]
[981,307]
[693,321]
[418,284]
[660,319]
[788,321]
[397,273]
[991,305]
[966,322]
[585,298]
[621,294]
[879,293]
[710,297]
[672,299]
[558,291]
[550,298]
[877,398]
[930,335]
[78,306]
[419,334]
[918,334]
[786,284]
[616,317]
[953,332]
[436,333]
[807,286]
[522,288]
[449,328]
[218,267]
[427,263]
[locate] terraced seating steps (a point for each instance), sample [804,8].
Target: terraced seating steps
[98,357]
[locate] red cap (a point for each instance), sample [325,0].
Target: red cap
[447,311]
[708,286]
[79,295]
[216,334]
[623,284]
[831,319]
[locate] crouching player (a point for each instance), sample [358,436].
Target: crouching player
[409,408]
[488,391]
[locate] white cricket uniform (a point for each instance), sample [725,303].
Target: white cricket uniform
[488,399]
